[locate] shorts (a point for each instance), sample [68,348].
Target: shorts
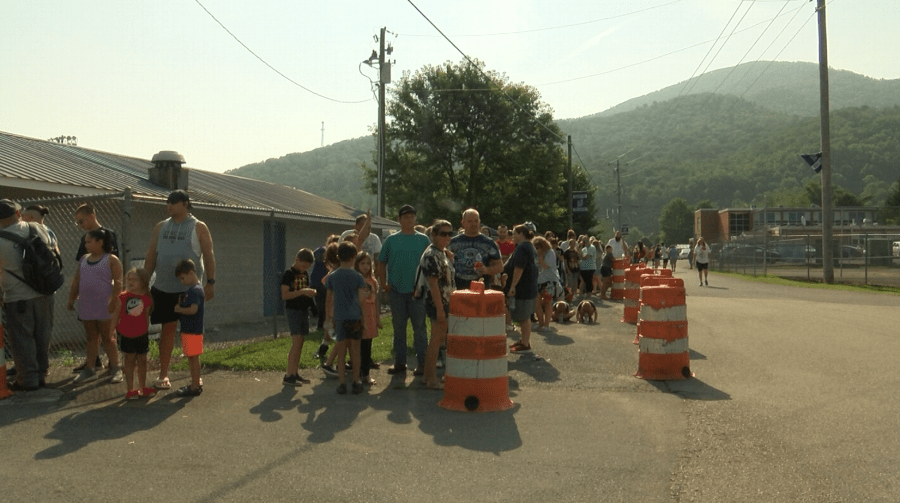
[553,288]
[298,320]
[164,306]
[134,345]
[431,311]
[348,329]
[523,310]
[702,266]
[191,344]
[606,271]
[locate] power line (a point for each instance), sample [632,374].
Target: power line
[549,28]
[257,56]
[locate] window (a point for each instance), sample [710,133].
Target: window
[738,223]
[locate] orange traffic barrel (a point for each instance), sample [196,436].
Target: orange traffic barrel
[4,390]
[664,272]
[475,372]
[662,332]
[632,293]
[618,280]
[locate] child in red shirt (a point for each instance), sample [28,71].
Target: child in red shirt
[132,321]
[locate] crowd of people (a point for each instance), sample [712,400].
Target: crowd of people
[342,283]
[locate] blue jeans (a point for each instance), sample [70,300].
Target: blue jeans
[29,325]
[404,307]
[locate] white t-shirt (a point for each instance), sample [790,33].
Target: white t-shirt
[701,254]
[372,244]
[618,247]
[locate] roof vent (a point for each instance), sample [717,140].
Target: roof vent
[167,170]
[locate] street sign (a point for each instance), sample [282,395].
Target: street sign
[579,202]
[624,229]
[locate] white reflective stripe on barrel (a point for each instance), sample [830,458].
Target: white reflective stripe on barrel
[662,347]
[476,327]
[632,303]
[476,369]
[674,313]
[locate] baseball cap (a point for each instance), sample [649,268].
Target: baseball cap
[407,209]
[8,208]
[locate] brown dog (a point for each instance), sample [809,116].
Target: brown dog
[561,312]
[587,313]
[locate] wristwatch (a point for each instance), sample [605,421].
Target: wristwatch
[210,281]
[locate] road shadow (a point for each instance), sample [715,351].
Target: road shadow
[554,338]
[271,408]
[690,389]
[534,365]
[694,355]
[116,420]
[493,432]
[328,413]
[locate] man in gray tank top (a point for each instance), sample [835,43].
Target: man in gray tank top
[179,237]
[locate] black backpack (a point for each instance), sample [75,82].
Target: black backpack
[41,266]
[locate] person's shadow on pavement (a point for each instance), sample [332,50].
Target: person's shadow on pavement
[269,408]
[328,413]
[117,420]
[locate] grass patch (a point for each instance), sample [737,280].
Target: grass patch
[819,284]
[273,354]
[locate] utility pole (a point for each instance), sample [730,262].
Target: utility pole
[569,163]
[381,83]
[619,193]
[827,212]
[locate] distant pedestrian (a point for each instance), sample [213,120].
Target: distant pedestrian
[606,271]
[701,256]
[673,256]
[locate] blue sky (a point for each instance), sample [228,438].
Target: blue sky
[142,76]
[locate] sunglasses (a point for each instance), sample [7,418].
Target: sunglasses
[446,234]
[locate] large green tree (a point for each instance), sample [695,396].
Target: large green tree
[676,222]
[455,140]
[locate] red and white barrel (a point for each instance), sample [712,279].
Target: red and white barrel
[662,332]
[632,293]
[618,279]
[475,376]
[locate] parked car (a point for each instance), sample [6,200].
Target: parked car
[683,251]
[749,253]
[896,248]
[796,252]
[848,251]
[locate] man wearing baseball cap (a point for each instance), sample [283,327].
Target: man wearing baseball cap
[397,265]
[179,237]
[27,315]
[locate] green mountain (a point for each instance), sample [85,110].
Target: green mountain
[718,138]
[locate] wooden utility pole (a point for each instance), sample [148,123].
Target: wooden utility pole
[827,212]
[569,164]
[382,81]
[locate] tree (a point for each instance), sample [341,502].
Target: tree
[676,222]
[455,141]
[891,211]
[840,197]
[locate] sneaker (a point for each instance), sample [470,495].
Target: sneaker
[701,283]
[322,352]
[117,375]
[87,375]
[16,386]
[510,327]
[148,392]
[396,369]
[357,388]
[188,391]
[293,380]
[329,370]
[342,389]
[133,395]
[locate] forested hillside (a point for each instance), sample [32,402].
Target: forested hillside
[715,146]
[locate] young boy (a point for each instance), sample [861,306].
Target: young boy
[346,294]
[190,307]
[298,300]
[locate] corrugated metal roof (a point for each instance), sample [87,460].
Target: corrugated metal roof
[29,159]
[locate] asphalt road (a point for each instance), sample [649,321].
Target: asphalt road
[793,400]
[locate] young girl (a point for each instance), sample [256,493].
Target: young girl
[97,284]
[371,310]
[132,321]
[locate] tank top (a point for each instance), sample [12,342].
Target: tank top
[94,288]
[176,241]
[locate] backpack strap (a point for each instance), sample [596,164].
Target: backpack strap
[19,240]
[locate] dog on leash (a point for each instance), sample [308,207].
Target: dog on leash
[587,313]
[561,312]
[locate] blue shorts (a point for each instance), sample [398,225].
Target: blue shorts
[347,329]
[298,320]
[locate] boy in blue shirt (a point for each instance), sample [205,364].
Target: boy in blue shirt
[346,293]
[190,307]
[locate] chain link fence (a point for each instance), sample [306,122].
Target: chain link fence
[860,257]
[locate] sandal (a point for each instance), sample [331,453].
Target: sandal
[519,347]
[163,383]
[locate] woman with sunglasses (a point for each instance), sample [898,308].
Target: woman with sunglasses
[435,282]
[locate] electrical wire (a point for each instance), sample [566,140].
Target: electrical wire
[257,56]
[488,77]
[535,30]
